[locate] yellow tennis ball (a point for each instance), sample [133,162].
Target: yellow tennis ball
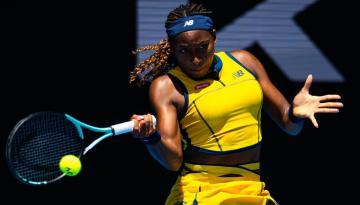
[70,165]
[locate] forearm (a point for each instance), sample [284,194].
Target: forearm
[284,117]
[293,124]
[166,153]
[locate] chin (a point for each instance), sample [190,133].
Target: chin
[197,75]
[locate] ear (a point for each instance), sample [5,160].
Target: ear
[214,35]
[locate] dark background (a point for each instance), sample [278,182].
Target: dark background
[78,61]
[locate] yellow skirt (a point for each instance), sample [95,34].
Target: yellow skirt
[215,185]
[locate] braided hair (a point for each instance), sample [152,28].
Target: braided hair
[162,59]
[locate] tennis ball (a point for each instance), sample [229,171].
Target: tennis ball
[70,165]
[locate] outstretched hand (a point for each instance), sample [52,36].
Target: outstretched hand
[306,105]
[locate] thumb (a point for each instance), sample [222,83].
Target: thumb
[308,83]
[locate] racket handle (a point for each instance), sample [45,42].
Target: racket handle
[126,127]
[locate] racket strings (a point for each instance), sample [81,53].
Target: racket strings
[39,143]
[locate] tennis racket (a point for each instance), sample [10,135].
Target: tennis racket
[37,143]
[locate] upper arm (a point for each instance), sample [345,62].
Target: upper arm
[163,98]
[275,103]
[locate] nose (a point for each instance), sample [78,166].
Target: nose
[196,60]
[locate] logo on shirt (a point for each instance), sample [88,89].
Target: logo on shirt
[237,73]
[201,86]
[189,23]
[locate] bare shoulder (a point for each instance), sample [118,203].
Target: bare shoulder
[161,83]
[249,60]
[243,56]
[161,89]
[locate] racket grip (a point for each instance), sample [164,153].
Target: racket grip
[126,127]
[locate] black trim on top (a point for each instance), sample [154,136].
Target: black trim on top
[185,137]
[225,152]
[237,61]
[207,124]
[185,93]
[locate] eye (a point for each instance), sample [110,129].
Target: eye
[204,46]
[182,50]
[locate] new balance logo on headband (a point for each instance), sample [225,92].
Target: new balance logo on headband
[189,23]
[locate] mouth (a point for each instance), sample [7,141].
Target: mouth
[197,68]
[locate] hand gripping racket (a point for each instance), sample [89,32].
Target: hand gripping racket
[37,143]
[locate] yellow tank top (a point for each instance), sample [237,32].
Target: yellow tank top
[221,114]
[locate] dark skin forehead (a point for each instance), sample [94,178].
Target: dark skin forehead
[192,38]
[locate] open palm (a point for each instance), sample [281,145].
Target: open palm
[306,105]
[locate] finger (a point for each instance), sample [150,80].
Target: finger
[147,119]
[136,117]
[143,128]
[327,110]
[308,82]
[314,122]
[331,105]
[151,123]
[133,117]
[329,97]
[136,129]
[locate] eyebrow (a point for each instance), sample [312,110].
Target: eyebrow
[196,44]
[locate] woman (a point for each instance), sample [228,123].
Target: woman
[208,107]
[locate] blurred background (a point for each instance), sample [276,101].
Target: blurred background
[78,60]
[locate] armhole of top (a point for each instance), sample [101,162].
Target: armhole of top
[182,90]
